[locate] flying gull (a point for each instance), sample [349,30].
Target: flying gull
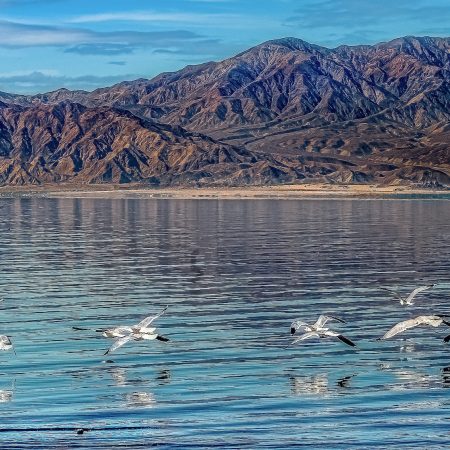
[408,301]
[139,332]
[432,321]
[318,330]
[141,328]
[298,324]
[134,336]
[122,331]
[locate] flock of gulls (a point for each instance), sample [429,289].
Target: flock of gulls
[145,331]
[319,330]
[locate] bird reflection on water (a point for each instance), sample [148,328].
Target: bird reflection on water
[140,400]
[445,374]
[6,395]
[413,379]
[318,384]
[164,377]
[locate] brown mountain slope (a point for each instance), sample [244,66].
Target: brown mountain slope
[286,109]
[70,143]
[407,78]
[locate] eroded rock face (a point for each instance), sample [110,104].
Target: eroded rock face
[283,111]
[71,143]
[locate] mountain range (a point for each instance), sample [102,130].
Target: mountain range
[284,111]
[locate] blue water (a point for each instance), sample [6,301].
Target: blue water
[234,274]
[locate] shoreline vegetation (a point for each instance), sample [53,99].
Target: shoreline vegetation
[292,191]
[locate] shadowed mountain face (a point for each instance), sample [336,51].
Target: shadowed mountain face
[283,111]
[71,143]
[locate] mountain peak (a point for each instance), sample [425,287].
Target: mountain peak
[345,114]
[290,43]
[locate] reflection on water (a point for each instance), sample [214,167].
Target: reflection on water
[234,274]
[345,382]
[163,376]
[6,395]
[319,384]
[446,376]
[410,347]
[306,385]
[118,374]
[140,400]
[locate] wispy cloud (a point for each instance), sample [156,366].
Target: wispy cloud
[152,16]
[47,80]
[368,21]
[15,34]
[90,42]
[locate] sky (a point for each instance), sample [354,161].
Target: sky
[85,44]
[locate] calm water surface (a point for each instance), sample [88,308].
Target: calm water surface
[234,274]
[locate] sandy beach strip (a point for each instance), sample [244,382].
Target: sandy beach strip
[298,191]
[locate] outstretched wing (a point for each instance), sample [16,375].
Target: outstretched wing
[447,338]
[305,336]
[416,291]
[346,340]
[405,325]
[322,320]
[118,343]
[340,337]
[148,320]
[394,293]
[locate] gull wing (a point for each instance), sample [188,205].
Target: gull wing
[416,291]
[340,337]
[162,338]
[394,293]
[346,340]
[118,343]
[148,320]
[305,336]
[411,323]
[322,320]
[447,338]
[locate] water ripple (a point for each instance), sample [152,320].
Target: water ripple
[234,274]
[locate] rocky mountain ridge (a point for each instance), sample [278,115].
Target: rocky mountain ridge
[289,109]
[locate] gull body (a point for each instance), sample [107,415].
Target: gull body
[318,326]
[139,332]
[432,321]
[318,330]
[408,301]
[141,328]
[134,336]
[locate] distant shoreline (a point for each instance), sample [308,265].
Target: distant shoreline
[298,191]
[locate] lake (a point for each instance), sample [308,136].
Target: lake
[234,274]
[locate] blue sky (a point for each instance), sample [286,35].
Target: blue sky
[84,44]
